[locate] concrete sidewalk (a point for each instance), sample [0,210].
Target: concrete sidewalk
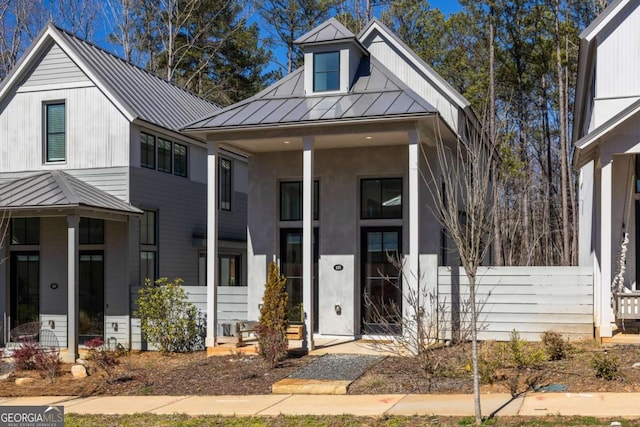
[534,404]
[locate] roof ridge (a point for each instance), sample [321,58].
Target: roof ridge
[61,179]
[126,62]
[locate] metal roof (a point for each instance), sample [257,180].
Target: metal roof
[143,95]
[329,31]
[56,189]
[375,93]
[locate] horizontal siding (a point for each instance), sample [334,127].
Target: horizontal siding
[232,224]
[54,68]
[58,326]
[530,300]
[121,323]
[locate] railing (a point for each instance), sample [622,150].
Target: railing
[627,305]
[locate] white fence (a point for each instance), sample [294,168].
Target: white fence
[530,300]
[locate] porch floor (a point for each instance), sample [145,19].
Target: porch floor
[630,335]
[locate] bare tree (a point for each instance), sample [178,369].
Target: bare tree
[459,178]
[76,16]
[120,21]
[20,20]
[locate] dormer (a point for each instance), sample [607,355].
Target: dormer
[332,55]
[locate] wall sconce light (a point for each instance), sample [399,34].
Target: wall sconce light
[114,325]
[52,324]
[338,309]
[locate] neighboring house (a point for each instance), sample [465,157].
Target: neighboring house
[336,164]
[104,192]
[606,134]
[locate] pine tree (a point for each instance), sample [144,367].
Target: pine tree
[274,318]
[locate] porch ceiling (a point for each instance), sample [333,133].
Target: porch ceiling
[56,190]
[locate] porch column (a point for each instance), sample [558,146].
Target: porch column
[307,242]
[212,243]
[606,201]
[413,274]
[73,223]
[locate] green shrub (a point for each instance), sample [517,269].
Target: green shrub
[272,331]
[491,357]
[523,354]
[556,347]
[167,319]
[606,366]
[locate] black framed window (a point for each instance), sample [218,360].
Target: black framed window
[381,198]
[225,184]
[55,131]
[148,246]
[326,71]
[179,159]
[147,150]
[229,270]
[291,200]
[91,231]
[148,228]
[25,231]
[164,155]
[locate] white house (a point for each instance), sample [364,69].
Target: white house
[104,192]
[606,133]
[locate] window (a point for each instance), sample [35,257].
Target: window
[229,270]
[91,231]
[326,71]
[164,155]
[148,246]
[381,198]
[202,269]
[179,159]
[55,132]
[148,151]
[225,184]
[25,231]
[291,201]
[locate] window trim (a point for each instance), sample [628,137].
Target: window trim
[382,217]
[227,188]
[149,247]
[146,165]
[166,169]
[11,232]
[46,133]
[186,159]
[316,200]
[327,72]
[238,264]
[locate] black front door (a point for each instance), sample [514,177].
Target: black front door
[291,268]
[381,280]
[91,301]
[25,288]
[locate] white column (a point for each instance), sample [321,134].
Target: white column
[307,243]
[73,223]
[413,274]
[212,243]
[606,201]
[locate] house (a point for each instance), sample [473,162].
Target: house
[335,163]
[606,134]
[104,192]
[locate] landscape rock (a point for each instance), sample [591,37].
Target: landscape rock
[6,376]
[78,371]
[83,362]
[24,381]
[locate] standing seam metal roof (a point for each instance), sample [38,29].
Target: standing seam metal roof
[375,93]
[146,95]
[57,189]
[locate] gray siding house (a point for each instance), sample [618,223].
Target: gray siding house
[104,192]
[335,163]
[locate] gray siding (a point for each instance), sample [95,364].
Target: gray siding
[232,225]
[530,300]
[54,68]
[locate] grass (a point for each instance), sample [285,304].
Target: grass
[72,420]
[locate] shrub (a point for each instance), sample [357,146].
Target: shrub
[272,330]
[556,347]
[47,363]
[491,357]
[524,355]
[606,366]
[25,356]
[104,358]
[167,319]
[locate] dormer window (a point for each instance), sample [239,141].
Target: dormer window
[326,71]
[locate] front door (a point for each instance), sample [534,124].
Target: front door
[24,291]
[291,268]
[91,301]
[381,281]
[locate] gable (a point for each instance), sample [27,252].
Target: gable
[55,68]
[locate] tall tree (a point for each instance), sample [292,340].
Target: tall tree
[76,16]
[20,21]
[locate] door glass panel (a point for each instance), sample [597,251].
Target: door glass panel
[91,301]
[25,288]
[382,286]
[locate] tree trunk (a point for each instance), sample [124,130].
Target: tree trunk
[471,275]
[497,238]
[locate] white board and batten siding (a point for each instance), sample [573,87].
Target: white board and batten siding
[530,300]
[232,305]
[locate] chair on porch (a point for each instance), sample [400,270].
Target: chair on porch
[25,332]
